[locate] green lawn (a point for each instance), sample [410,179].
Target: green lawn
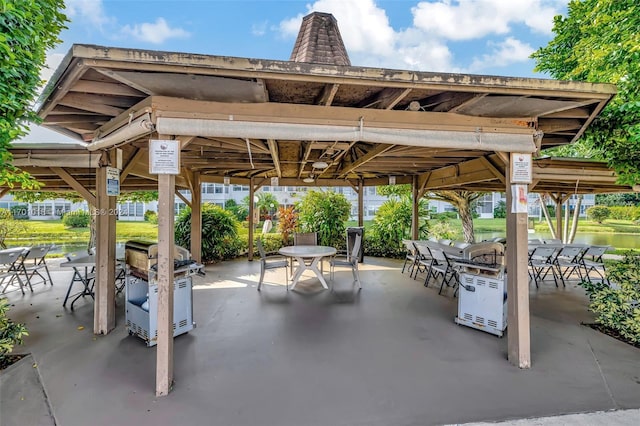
[53,231]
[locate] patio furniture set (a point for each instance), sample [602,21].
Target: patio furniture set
[305,255]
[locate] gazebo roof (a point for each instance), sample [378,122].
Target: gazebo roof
[243,118]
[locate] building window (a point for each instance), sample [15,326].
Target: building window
[178,208]
[131,209]
[41,209]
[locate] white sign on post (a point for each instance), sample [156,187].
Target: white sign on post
[164,157]
[113,181]
[521,168]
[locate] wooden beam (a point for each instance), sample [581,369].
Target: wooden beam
[275,156]
[196,219]
[106,88]
[493,169]
[138,154]
[251,225]
[518,316]
[338,116]
[328,93]
[90,103]
[185,141]
[415,201]
[183,198]
[77,186]
[164,281]
[4,191]
[118,77]
[370,155]
[360,202]
[104,315]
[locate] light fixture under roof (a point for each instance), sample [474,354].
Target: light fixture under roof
[308,180]
[320,165]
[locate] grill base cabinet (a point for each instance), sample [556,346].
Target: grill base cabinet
[143,322]
[482,303]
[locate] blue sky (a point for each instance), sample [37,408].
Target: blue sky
[491,37]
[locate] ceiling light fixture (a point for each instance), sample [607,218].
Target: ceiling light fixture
[320,165]
[308,179]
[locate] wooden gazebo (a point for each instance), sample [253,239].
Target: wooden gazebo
[242,120]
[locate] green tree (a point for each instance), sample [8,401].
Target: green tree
[8,226]
[238,210]
[461,200]
[625,199]
[267,203]
[324,212]
[598,213]
[599,41]
[28,28]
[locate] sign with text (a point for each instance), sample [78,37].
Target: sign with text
[164,157]
[521,168]
[113,181]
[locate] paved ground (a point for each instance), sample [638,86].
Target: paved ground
[389,355]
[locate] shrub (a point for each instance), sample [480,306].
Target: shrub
[151,216]
[287,223]
[11,333]
[500,210]
[598,213]
[8,226]
[617,307]
[442,229]
[219,233]
[324,212]
[76,219]
[624,212]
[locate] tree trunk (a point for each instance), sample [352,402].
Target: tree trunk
[576,216]
[543,206]
[464,210]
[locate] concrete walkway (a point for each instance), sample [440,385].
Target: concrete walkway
[388,355]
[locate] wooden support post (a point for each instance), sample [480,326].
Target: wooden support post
[558,199]
[414,209]
[360,202]
[164,354]
[251,226]
[104,312]
[519,339]
[196,219]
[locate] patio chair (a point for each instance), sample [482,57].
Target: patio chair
[410,257]
[442,266]
[268,262]
[569,260]
[350,260]
[10,268]
[541,260]
[592,261]
[34,264]
[305,239]
[424,261]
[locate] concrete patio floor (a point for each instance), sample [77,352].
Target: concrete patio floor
[387,355]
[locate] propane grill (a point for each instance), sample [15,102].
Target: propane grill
[482,297]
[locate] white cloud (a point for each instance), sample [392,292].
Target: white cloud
[155,33]
[52,62]
[259,29]
[502,54]
[372,41]
[470,19]
[89,11]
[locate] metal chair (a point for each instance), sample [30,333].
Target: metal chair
[350,260]
[34,263]
[568,261]
[271,262]
[424,261]
[592,261]
[410,257]
[11,267]
[305,238]
[541,260]
[442,266]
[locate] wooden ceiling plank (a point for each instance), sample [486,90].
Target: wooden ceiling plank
[497,173]
[114,75]
[468,102]
[104,88]
[84,104]
[183,198]
[77,186]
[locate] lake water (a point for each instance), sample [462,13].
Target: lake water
[595,238]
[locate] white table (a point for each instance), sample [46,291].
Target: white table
[316,253]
